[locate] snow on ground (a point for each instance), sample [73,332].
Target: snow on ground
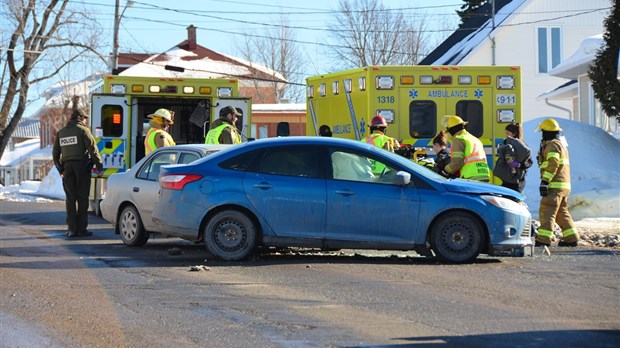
[595,176]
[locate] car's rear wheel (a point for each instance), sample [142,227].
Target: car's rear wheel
[230,235]
[457,238]
[131,228]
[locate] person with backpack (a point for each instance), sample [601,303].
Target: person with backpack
[514,158]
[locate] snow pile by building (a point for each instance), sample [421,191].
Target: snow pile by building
[594,165]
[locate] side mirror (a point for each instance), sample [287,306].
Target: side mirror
[402,178]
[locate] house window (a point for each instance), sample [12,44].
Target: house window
[549,48]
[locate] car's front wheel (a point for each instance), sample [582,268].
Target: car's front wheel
[131,228]
[457,238]
[230,235]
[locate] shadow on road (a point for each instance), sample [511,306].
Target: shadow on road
[564,338]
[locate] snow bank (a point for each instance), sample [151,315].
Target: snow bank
[595,169]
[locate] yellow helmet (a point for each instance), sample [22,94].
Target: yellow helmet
[163,114]
[450,121]
[548,125]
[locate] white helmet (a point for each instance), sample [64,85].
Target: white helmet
[163,114]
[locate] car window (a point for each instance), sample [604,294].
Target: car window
[187,157]
[241,162]
[290,161]
[355,167]
[151,169]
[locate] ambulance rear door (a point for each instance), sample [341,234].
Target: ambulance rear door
[427,105]
[421,110]
[474,104]
[244,122]
[111,128]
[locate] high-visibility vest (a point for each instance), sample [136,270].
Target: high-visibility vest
[213,136]
[149,142]
[475,165]
[378,140]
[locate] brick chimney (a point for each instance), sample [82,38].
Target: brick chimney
[191,37]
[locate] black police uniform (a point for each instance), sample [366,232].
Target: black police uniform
[74,155]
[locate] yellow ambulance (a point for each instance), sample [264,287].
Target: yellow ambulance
[120,105]
[413,100]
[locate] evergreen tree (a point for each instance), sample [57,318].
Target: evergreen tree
[468,8]
[604,69]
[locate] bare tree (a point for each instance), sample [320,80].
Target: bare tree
[47,35]
[276,49]
[368,33]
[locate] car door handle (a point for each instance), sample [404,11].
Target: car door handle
[345,192]
[263,185]
[136,189]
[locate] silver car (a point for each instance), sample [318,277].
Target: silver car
[130,196]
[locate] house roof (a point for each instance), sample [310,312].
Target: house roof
[579,62]
[566,91]
[128,59]
[199,61]
[23,151]
[471,33]
[63,91]
[27,128]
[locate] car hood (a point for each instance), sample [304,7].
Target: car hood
[481,188]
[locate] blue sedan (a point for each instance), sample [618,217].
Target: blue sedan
[333,193]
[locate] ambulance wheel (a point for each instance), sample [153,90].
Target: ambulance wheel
[230,235]
[457,238]
[131,228]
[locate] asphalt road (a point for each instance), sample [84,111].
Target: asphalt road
[96,292]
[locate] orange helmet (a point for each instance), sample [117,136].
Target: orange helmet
[378,121]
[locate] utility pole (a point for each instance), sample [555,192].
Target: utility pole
[117,20]
[492,30]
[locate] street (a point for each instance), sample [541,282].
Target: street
[96,292]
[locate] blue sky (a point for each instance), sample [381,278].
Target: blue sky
[157,25]
[222,23]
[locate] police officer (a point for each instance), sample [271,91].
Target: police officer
[223,130]
[554,186]
[158,135]
[466,153]
[74,155]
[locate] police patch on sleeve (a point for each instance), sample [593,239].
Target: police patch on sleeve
[68,141]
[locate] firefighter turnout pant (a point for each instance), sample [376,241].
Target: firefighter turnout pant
[76,183]
[554,209]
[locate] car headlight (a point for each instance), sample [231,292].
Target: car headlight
[505,203]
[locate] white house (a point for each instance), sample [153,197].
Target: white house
[24,162]
[578,91]
[537,35]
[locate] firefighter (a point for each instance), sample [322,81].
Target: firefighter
[554,186]
[377,136]
[74,154]
[467,152]
[158,135]
[223,130]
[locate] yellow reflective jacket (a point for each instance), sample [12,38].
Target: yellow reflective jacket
[468,156]
[555,167]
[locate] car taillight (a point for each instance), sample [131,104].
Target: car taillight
[177,182]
